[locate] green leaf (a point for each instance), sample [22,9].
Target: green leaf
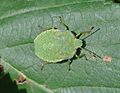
[22,20]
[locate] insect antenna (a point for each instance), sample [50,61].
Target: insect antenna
[91,33]
[94,54]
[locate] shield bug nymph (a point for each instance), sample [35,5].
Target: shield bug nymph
[54,45]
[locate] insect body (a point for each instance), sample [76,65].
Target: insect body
[54,45]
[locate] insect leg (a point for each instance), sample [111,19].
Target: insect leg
[42,66]
[48,28]
[69,64]
[62,22]
[82,55]
[85,32]
[44,63]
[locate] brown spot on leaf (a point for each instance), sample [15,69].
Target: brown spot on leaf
[107,58]
[22,79]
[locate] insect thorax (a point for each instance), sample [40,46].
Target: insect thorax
[78,43]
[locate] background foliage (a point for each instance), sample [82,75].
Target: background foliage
[22,20]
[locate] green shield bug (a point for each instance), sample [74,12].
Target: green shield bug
[54,45]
